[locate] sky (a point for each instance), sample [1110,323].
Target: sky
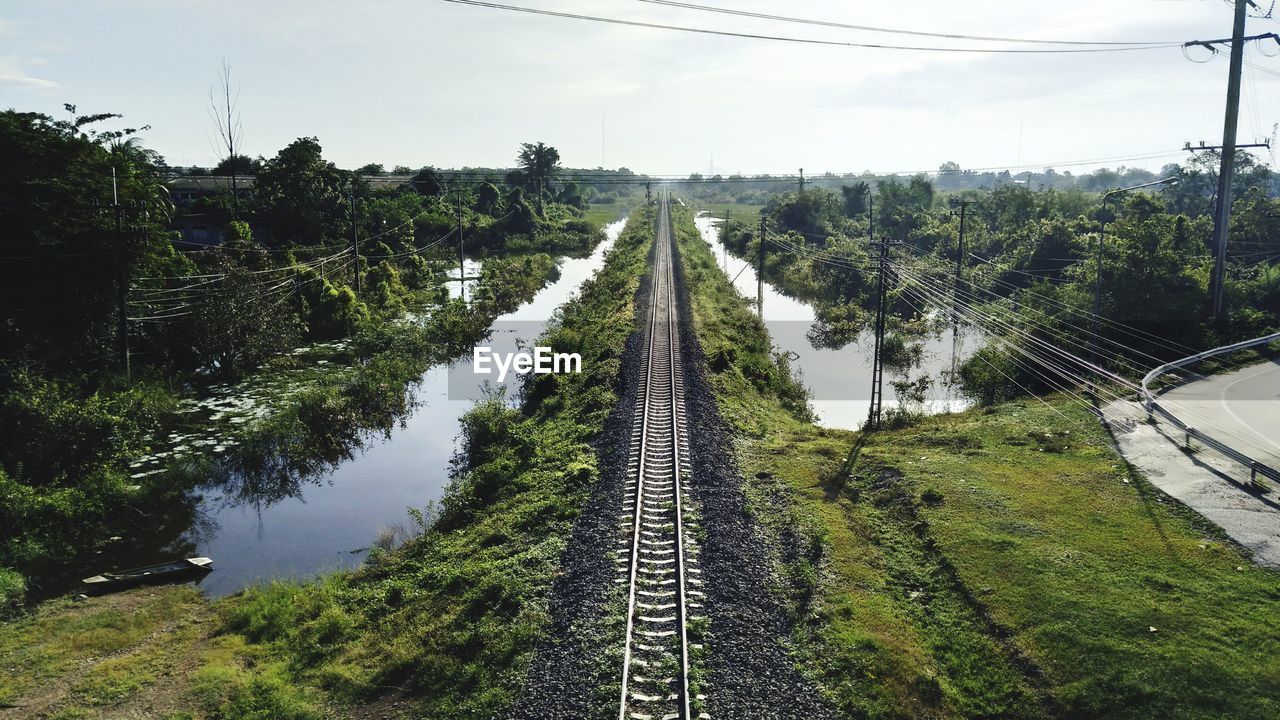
[426,82]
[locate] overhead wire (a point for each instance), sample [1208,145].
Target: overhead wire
[1132,386]
[799,40]
[895,31]
[1004,352]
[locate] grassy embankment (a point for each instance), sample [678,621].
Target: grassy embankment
[996,563]
[444,625]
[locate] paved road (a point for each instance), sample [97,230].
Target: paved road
[1240,408]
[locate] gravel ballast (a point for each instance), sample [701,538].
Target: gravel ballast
[747,669]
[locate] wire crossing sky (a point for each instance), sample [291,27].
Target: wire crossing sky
[418,82]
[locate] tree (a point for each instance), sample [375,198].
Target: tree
[224,109]
[571,195]
[487,198]
[539,163]
[900,208]
[427,182]
[302,195]
[235,165]
[371,169]
[855,199]
[64,255]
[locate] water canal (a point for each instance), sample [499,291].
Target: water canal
[329,521]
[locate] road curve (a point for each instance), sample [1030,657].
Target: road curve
[1241,408]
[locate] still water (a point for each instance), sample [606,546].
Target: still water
[839,380]
[332,520]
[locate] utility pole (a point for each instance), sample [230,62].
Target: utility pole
[355,239]
[648,193]
[1222,214]
[122,280]
[877,363]
[801,181]
[871,216]
[724,241]
[1097,282]
[760,271]
[462,263]
[955,285]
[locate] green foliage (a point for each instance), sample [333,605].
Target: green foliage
[386,288]
[13,591]
[855,199]
[301,194]
[453,616]
[62,488]
[237,165]
[901,209]
[988,377]
[64,251]
[538,164]
[67,434]
[329,311]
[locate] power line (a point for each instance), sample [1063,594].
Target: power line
[803,41]
[895,31]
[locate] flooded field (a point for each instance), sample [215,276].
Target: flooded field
[258,526]
[839,380]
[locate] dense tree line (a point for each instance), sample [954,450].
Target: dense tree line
[1032,258]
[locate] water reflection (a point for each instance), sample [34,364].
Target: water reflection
[833,362]
[313,500]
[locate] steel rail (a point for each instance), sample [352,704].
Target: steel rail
[661,559]
[1151,403]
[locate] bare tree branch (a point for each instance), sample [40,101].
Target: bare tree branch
[224,110]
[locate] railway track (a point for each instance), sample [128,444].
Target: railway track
[657,557]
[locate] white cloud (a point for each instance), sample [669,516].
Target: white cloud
[24,81]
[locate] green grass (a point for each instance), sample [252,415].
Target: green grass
[738,212]
[602,214]
[96,654]
[452,618]
[1004,563]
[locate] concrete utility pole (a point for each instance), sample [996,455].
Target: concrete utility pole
[877,363]
[955,284]
[760,271]
[724,241]
[1222,214]
[122,280]
[462,262]
[877,366]
[355,240]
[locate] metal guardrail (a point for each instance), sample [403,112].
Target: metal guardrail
[1153,407]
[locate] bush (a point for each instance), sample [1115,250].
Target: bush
[13,590]
[54,434]
[267,612]
[987,377]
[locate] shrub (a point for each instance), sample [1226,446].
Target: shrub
[13,590]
